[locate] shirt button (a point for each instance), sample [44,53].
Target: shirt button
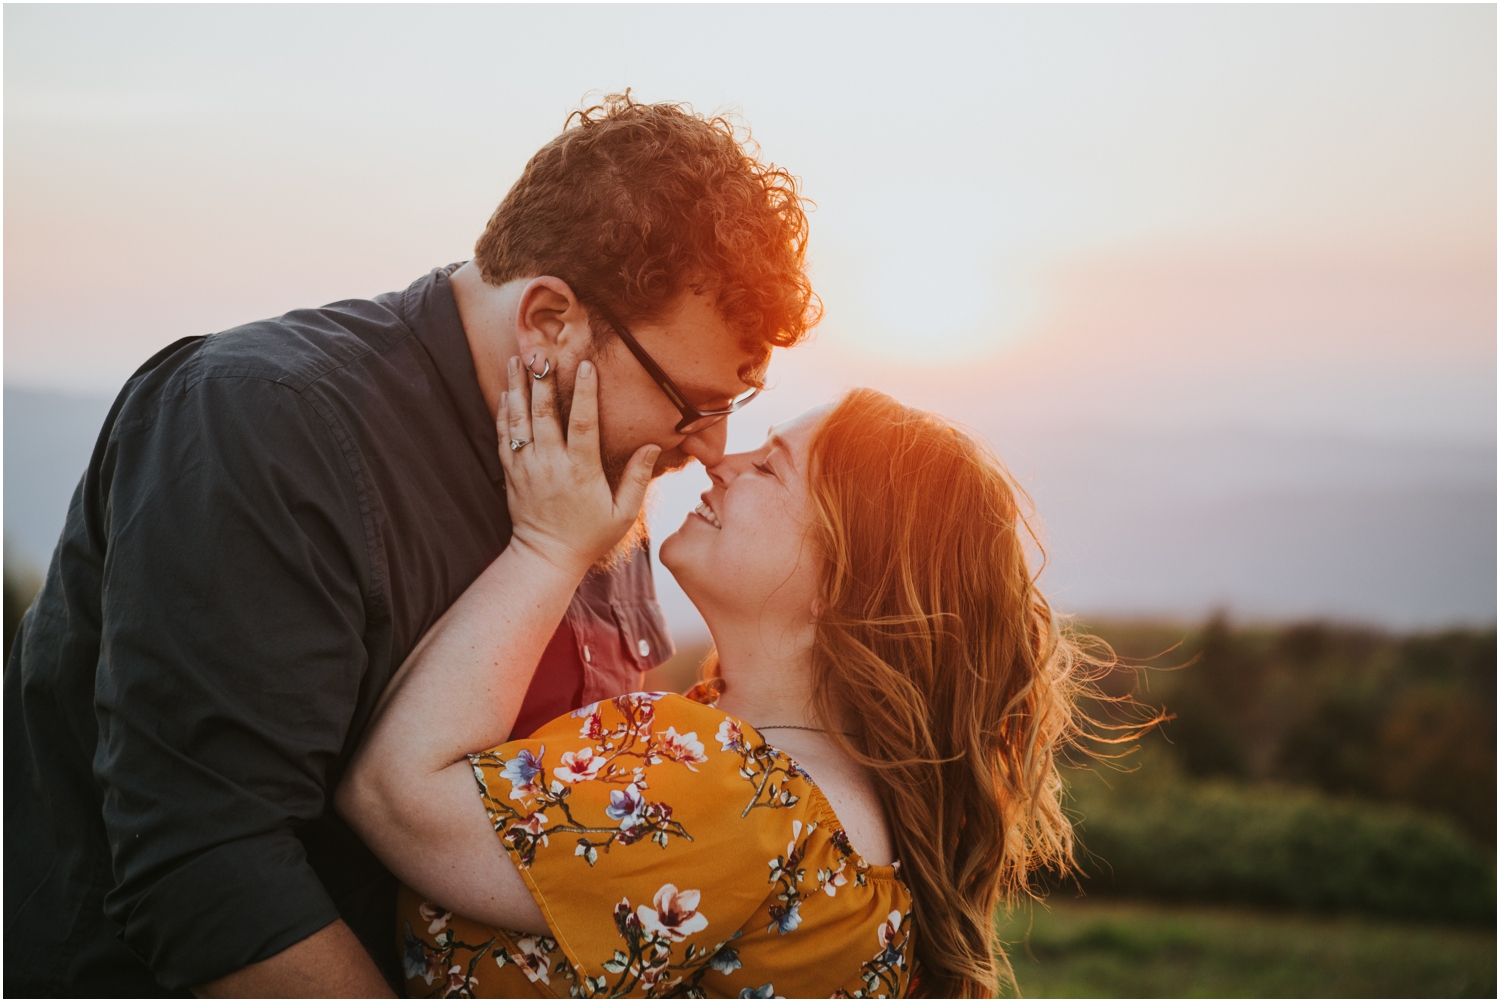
[643,647]
[586,655]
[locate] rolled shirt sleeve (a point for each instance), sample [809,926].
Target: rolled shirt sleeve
[235,598]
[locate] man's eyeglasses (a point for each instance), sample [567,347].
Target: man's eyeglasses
[693,419]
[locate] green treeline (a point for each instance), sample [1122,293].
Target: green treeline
[1346,710]
[1312,766]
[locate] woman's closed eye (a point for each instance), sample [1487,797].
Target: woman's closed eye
[766,469]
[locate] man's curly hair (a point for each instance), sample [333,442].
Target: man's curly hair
[632,204]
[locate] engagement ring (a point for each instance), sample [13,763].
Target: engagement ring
[517,443]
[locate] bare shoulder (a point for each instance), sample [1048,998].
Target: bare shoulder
[850,790]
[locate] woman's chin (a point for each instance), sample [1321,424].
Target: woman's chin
[671,551]
[683,555]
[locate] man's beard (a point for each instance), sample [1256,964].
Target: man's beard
[637,535]
[615,464]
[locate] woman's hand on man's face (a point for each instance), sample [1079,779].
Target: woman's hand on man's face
[561,505]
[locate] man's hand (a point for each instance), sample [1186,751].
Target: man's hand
[331,963]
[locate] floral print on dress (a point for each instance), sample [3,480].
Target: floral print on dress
[532,955]
[620,755]
[675,915]
[643,826]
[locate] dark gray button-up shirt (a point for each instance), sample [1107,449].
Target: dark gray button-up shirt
[271,519]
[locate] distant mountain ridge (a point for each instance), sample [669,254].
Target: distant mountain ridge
[1399,534]
[1267,526]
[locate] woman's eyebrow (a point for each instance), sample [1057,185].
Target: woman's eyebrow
[777,442]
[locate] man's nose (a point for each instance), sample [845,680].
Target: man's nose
[707,446]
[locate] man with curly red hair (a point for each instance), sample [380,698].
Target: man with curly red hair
[274,515]
[654,219]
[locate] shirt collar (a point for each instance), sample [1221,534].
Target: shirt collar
[431,311]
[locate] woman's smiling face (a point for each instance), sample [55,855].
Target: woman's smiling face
[744,552]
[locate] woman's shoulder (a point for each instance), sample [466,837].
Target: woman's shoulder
[684,742]
[662,827]
[651,741]
[614,739]
[676,772]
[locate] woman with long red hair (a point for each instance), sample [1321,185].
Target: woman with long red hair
[867,772]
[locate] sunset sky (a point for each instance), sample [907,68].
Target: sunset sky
[1162,220]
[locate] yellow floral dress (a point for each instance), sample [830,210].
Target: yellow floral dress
[674,853]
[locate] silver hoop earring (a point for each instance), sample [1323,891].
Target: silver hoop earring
[545,368]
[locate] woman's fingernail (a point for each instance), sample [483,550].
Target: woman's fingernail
[585,368]
[514,365]
[651,454]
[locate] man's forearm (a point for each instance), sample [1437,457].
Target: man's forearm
[331,963]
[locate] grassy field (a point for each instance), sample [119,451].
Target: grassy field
[1117,949]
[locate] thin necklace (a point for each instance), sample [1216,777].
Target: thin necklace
[796,727]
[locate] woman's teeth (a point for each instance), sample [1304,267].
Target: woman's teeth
[708,513]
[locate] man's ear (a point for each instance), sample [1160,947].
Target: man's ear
[548,308]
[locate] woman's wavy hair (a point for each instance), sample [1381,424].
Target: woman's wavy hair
[633,203]
[937,649]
